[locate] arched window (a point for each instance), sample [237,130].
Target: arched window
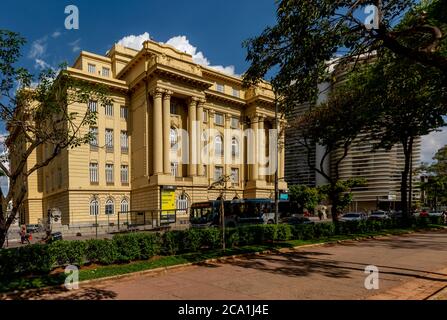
[174,138]
[94,207]
[124,207]
[182,204]
[109,207]
[234,147]
[218,148]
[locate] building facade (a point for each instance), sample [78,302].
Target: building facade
[173,129]
[380,168]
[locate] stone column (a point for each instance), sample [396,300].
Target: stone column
[158,132]
[200,169]
[227,145]
[192,134]
[211,115]
[261,145]
[167,132]
[254,149]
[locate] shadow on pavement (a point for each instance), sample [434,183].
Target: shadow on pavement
[63,294]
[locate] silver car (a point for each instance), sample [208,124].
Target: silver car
[353,216]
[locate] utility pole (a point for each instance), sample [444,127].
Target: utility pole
[222,182]
[277,158]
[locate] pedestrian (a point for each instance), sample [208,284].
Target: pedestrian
[23,235]
[320,214]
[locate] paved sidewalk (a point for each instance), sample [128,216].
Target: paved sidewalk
[411,266]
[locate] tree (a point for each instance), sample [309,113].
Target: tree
[405,100]
[37,117]
[306,197]
[310,34]
[436,186]
[334,125]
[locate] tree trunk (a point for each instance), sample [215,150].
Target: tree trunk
[334,212]
[408,148]
[2,237]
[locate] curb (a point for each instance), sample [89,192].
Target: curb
[178,267]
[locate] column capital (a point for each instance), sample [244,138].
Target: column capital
[193,101]
[157,92]
[168,94]
[202,101]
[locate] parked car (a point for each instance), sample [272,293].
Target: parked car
[423,213]
[353,216]
[33,228]
[435,214]
[379,215]
[295,219]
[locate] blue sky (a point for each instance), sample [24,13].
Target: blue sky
[212,30]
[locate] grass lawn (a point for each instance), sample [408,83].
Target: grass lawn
[96,272]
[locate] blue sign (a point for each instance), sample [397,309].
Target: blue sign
[283,196]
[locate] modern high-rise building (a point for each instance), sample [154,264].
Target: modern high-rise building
[166,111]
[380,168]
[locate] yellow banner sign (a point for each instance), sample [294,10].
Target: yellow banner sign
[167,199]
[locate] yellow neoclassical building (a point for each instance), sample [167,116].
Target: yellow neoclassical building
[169,118]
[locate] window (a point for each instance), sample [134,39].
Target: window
[109,207]
[94,136]
[235,176]
[205,170]
[235,123]
[174,169]
[93,106]
[124,207]
[205,116]
[234,147]
[174,139]
[173,108]
[124,142]
[124,174]
[109,110]
[218,149]
[60,177]
[94,207]
[105,71]
[182,204]
[236,93]
[124,112]
[91,68]
[47,183]
[53,180]
[109,173]
[218,173]
[220,87]
[219,119]
[94,173]
[109,139]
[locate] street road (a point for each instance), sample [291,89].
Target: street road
[410,267]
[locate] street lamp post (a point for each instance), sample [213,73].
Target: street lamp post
[222,182]
[277,159]
[95,197]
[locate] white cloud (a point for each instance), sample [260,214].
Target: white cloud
[432,143]
[38,48]
[75,45]
[181,43]
[56,34]
[40,64]
[134,42]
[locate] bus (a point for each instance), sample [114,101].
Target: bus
[237,212]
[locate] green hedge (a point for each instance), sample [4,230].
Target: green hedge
[38,258]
